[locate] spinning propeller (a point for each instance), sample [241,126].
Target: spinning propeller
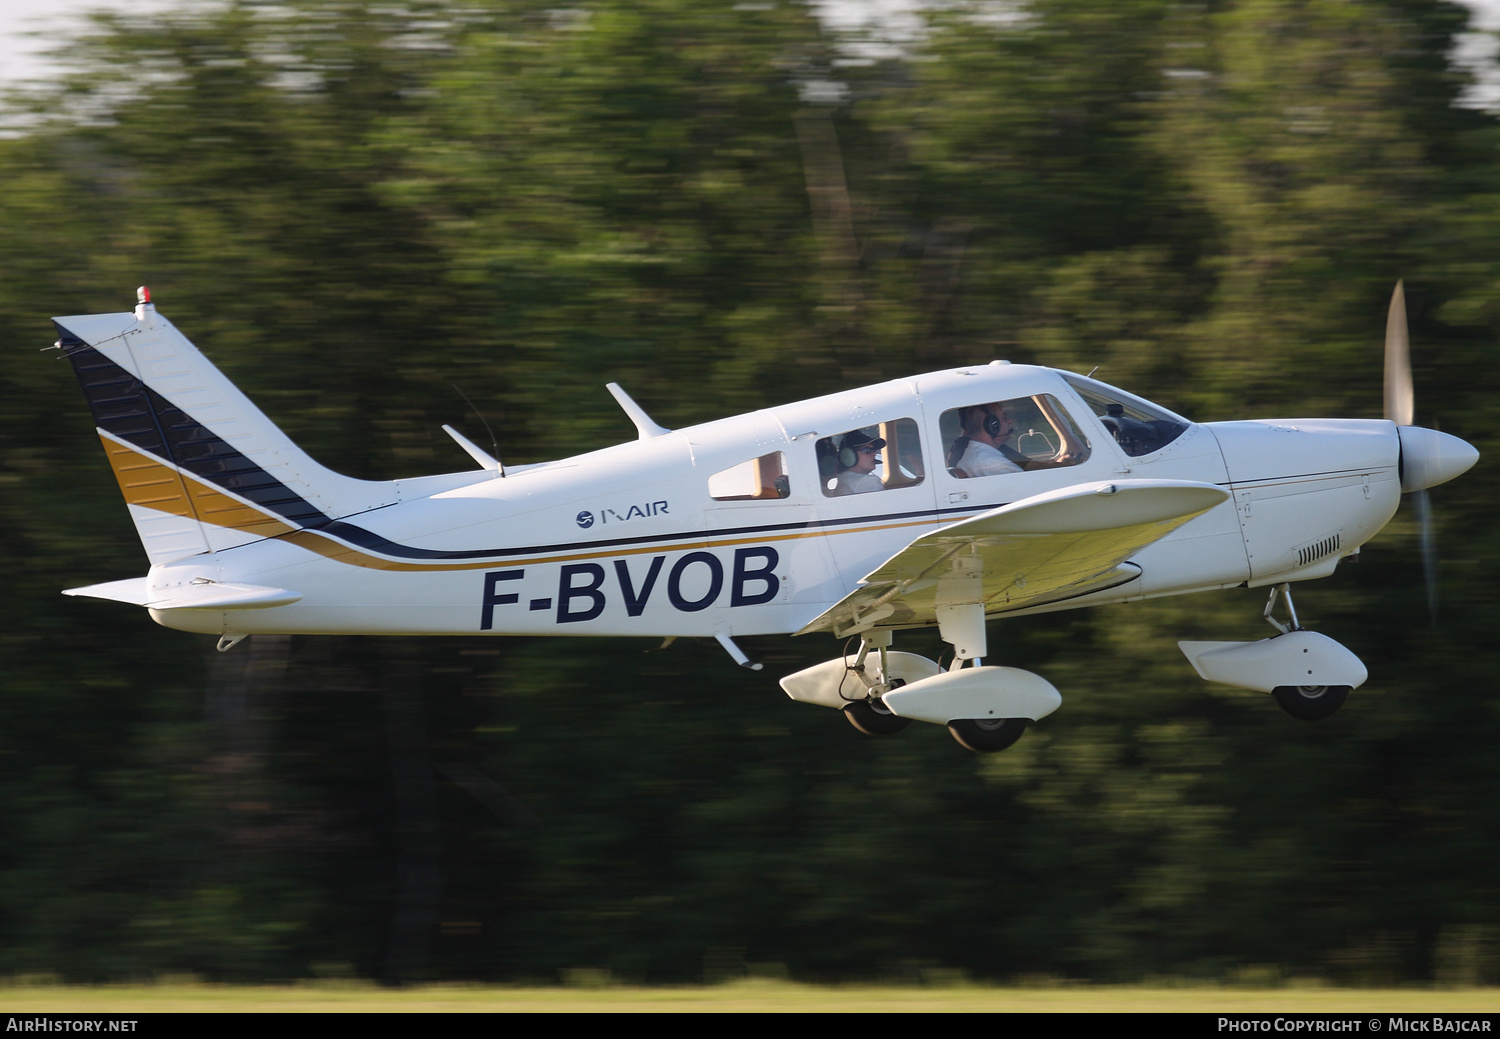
[1428,457]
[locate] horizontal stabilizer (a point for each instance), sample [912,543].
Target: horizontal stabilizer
[132,590]
[208,595]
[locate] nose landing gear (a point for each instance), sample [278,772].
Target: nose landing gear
[1307,674]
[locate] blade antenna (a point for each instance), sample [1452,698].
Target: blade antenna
[645,427]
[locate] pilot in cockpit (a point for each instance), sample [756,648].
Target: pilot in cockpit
[859,454]
[981,448]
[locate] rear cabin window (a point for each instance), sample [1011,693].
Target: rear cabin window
[1138,426]
[879,457]
[759,479]
[1010,436]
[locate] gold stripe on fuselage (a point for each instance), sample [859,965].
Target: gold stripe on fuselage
[151,481]
[323,545]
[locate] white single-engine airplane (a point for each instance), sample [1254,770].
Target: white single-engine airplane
[943,499]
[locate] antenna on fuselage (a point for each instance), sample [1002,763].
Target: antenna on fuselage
[474,451]
[637,414]
[479,454]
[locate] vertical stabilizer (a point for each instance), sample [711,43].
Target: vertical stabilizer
[201,467]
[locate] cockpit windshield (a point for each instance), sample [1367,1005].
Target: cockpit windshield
[1138,426]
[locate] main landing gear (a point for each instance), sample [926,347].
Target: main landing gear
[857,686]
[873,718]
[865,709]
[986,736]
[1310,703]
[1307,674]
[881,691]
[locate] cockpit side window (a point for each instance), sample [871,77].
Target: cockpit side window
[1010,436]
[1138,426]
[880,457]
[759,479]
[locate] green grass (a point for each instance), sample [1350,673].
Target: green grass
[170,997]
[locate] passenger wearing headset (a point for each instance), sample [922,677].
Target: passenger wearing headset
[981,449]
[859,454]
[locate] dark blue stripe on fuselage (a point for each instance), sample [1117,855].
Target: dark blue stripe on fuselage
[127,408]
[374,542]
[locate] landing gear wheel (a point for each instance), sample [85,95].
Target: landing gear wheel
[987,735]
[874,718]
[1310,703]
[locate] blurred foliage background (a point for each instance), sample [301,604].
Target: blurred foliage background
[354,209]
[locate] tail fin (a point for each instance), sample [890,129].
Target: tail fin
[201,468]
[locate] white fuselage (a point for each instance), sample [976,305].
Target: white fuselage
[629,540]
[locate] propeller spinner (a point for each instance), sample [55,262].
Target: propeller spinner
[1428,457]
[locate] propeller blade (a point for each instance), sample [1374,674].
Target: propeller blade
[1429,552]
[1399,398]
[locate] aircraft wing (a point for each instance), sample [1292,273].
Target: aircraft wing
[1041,549]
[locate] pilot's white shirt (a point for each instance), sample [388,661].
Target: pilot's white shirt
[850,482]
[980,459]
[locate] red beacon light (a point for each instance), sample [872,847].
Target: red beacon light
[144,309]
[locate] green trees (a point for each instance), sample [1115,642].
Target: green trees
[355,212]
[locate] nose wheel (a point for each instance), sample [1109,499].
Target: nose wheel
[1308,703]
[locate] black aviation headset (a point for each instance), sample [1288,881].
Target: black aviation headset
[849,452]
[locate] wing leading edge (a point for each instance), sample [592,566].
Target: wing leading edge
[1041,549]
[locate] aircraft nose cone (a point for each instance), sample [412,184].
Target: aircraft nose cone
[1429,458]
